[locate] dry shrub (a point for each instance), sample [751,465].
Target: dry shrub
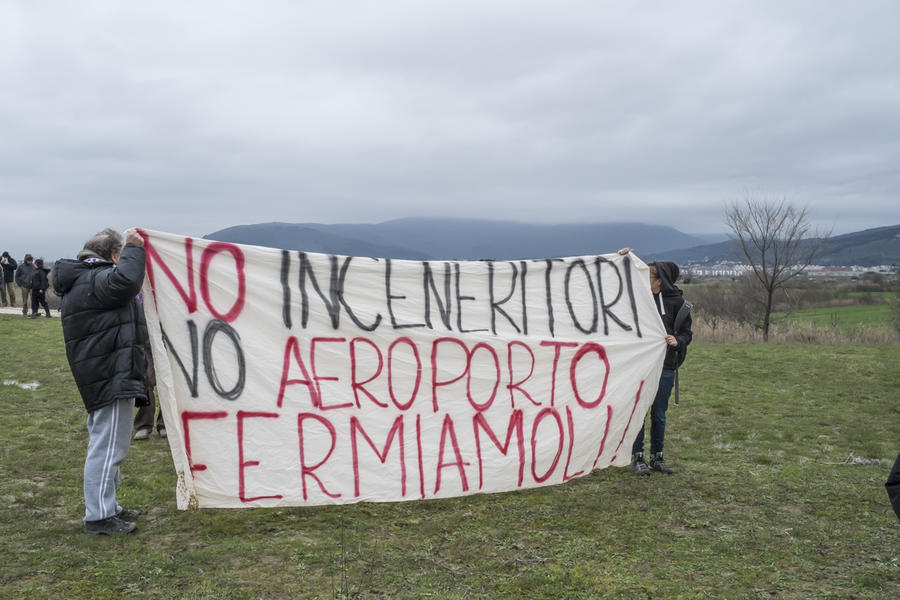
[793,333]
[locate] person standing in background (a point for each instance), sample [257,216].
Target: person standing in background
[7,280]
[23,280]
[39,285]
[143,419]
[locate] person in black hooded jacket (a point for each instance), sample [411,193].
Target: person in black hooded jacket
[7,279]
[106,336]
[23,280]
[668,299]
[39,285]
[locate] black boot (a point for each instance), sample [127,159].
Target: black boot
[109,526]
[638,465]
[658,464]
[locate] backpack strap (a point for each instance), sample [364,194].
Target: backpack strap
[680,317]
[676,387]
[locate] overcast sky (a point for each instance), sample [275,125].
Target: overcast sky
[189,117]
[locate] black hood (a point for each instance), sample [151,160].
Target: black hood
[66,271]
[668,274]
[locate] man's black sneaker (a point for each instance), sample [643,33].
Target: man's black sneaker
[658,464]
[129,514]
[109,526]
[638,465]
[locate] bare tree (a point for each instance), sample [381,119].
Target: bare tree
[774,237]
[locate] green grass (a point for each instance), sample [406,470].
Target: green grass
[847,318]
[763,504]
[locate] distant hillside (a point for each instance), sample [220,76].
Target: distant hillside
[308,237]
[468,239]
[867,248]
[879,246]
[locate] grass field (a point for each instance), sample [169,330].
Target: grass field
[883,296]
[781,454]
[847,318]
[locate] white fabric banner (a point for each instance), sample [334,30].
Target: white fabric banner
[289,378]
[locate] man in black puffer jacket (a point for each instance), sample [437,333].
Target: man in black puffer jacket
[106,337]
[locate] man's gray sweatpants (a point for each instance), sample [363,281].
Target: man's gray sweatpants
[109,431]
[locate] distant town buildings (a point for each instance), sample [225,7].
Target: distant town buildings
[720,269]
[736,269]
[851,271]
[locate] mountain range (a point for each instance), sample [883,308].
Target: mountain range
[867,248]
[470,239]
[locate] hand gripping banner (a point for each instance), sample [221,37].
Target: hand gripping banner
[291,378]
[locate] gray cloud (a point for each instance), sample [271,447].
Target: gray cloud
[190,118]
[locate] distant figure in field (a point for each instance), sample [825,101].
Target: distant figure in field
[893,486]
[23,280]
[39,285]
[669,300]
[7,280]
[106,339]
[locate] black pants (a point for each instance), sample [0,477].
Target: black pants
[143,419]
[893,486]
[39,297]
